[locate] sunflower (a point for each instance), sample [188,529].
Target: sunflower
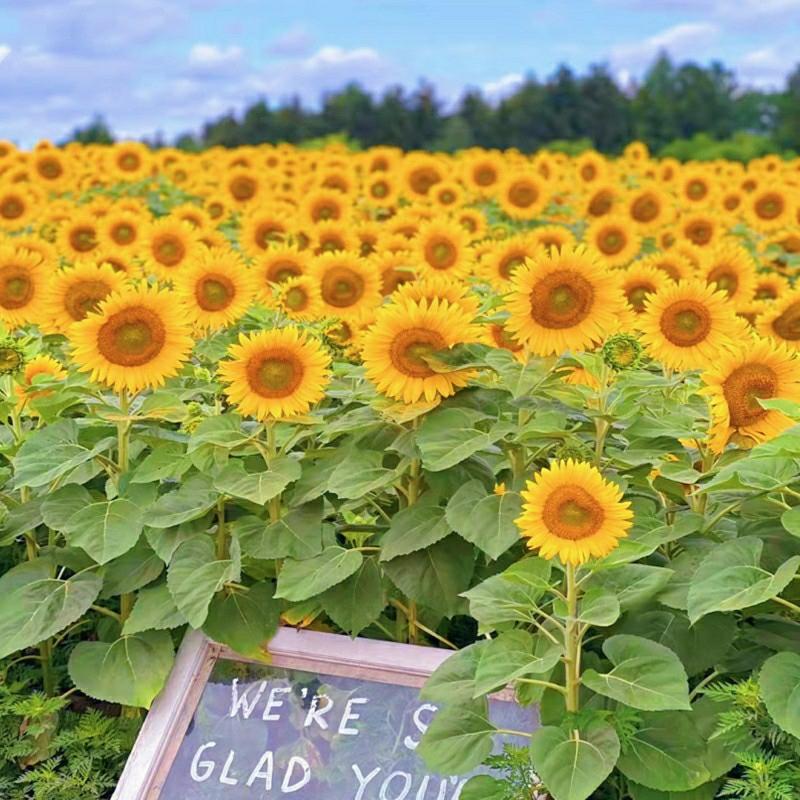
[324,205]
[404,335]
[563,300]
[503,258]
[130,161]
[591,167]
[750,312]
[275,374]
[738,380]
[121,230]
[167,246]
[770,286]
[243,186]
[615,238]
[483,172]
[75,292]
[299,298]
[51,168]
[639,281]
[347,284]
[601,199]
[685,326]
[571,512]
[135,340]
[194,215]
[78,235]
[17,207]
[332,237]
[447,194]
[420,171]
[781,321]
[472,220]
[381,190]
[443,248]
[648,208]
[552,236]
[730,268]
[262,228]
[23,285]
[216,288]
[501,338]
[38,365]
[441,288]
[695,187]
[769,209]
[522,195]
[394,269]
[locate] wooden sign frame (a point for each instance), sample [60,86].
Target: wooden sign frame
[310,651]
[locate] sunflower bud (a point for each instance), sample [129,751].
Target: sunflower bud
[12,356]
[622,351]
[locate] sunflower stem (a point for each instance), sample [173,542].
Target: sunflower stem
[274,506]
[573,643]
[222,530]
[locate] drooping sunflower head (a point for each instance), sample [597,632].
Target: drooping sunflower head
[275,374]
[23,283]
[564,300]
[572,513]
[443,247]
[781,322]
[38,365]
[136,339]
[735,384]
[615,239]
[347,284]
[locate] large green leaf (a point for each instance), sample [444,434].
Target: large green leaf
[298,534]
[598,606]
[487,520]
[512,655]
[779,681]
[223,431]
[484,787]
[192,500]
[448,436]
[791,520]
[458,739]
[729,578]
[21,519]
[358,473]
[105,530]
[244,620]
[646,675]
[168,461]
[136,568]
[634,584]
[34,605]
[453,681]
[257,487]
[573,767]
[435,576]
[195,575]
[358,601]
[154,610]
[300,580]
[130,671]
[59,507]
[414,529]
[708,791]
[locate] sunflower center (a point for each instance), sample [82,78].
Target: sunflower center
[283,270]
[214,291]
[131,337]
[50,168]
[504,339]
[215,210]
[699,232]
[570,512]
[323,211]
[296,298]
[611,242]
[243,188]
[787,325]
[561,300]
[645,209]
[725,279]
[379,189]
[331,243]
[509,264]
[84,297]
[601,203]
[276,373]
[268,232]
[128,162]
[485,175]
[769,206]
[588,172]
[411,347]
[447,197]
[440,253]
[685,323]
[16,287]
[522,194]
[766,291]
[638,294]
[732,202]
[11,208]
[422,179]
[696,190]
[123,233]
[342,287]
[169,251]
[744,387]
[83,239]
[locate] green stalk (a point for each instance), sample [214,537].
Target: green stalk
[222,531]
[573,645]
[272,450]
[123,461]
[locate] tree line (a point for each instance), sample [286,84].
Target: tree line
[678,109]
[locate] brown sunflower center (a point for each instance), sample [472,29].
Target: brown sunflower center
[787,325]
[509,263]
[522,194]
[325,210]
[296,299]
[637,294]
[611,241]
[485,175]
[422,178]
[274,374]
[685,323]
[84,297]
[766,291]
[168,250]
[732,202]
[11,208]
[411,347]
[696,189]
[16,287]
[447,197]
[769,206]
[645,208]
[215,210]
[601,203]
[725,279]
[129,162]
[132,337]
[699,232]
[330,243]
[562,299]
[341,287]
[268,232]
[379,189]
[83,239]
[283,270]
[440,253]
[50,168]
[214,291]
[570,512]
[243,188]
[744,387]
[588,172]
[504,339]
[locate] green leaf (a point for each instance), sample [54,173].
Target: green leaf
[434,577]
[487,520]
[300,580]
[154,610]
[729,578]
[223,431]
[244,621]
[20,520]
[297,535]
[59,506]
[413,529]
[512,655]
[791,520]
[358,601]
[448,436]
[571,768]
[598,606]
[34,605]
[358,473]
[646,675]
[483,787]
[634,584]
[667,753]
[708,791]
[257,487]
[313,482]
[779,681]
[453,681]
[195,575]
[192,500]
[105,530]
[132,570]
[167,462]
[130,671]
[458,739]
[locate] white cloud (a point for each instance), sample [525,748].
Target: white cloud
[764,67]
[5,50]
[686,40]
[209,55]
[502,87]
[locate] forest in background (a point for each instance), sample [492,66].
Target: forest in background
[684,110]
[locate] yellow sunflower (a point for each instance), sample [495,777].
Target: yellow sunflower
[38,365]
[521,195]
[332,237]
[394,268]
[501,259]
[770,209]
[130,161]
[685,326]
[447,194]
[136,339]
[731,269]
[275,374]
[484,171]
[381,190]
[649,208]
[770,286]
[563,300]
[348,285]
[75,292]
[276,265]
[23,286]
[443,248]
[299,298]
[441,288]
[404,335]
[781,321]
[601,199]
[701,229]
[572,513]
[121,230]
[552,236]
[78,235]
[615,238]
[738,380]
[169,245]
[639,281]
[17,206]
[216,288]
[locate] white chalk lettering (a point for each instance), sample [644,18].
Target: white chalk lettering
[273,703]
[206,766]
[268,761]
[421,726]
[316,712]
[349,715]
[242,703]
[406,778]
[287,787]
[224,777]
[363,780]
[461,784]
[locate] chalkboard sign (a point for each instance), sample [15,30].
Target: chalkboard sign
[329,717]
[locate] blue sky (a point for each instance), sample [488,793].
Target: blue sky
[168,65]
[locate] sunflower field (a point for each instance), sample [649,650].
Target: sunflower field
[538,409]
